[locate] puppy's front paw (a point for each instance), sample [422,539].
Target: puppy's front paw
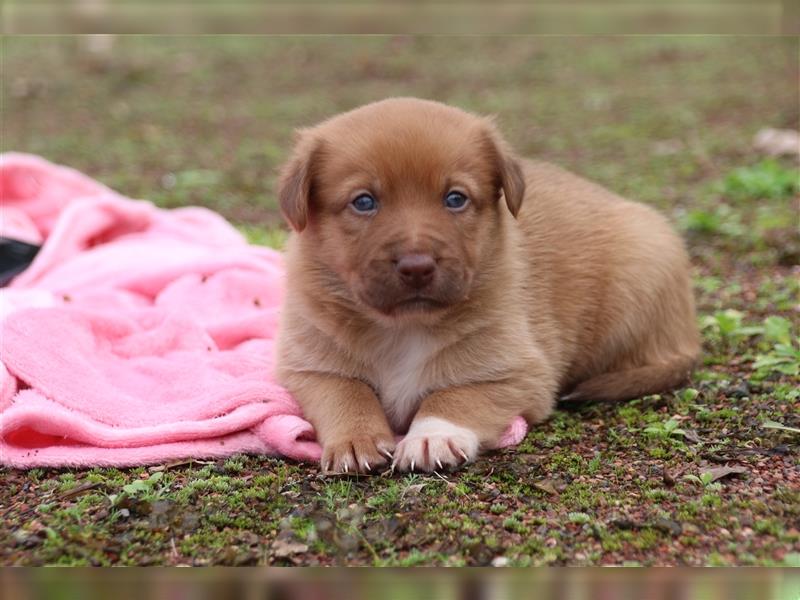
[357,454]
[435,444]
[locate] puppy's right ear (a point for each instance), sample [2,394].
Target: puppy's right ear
[295,181]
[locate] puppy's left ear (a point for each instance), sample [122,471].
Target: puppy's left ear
[507,167]
[513,182]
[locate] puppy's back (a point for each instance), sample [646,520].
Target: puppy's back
[610,278]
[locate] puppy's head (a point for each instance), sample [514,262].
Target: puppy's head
[398,204]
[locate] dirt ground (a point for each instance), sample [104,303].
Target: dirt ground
[704,475]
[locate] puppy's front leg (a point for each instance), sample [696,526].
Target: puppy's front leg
[452,425]
[348,418]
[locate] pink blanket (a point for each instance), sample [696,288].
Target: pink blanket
[138,335]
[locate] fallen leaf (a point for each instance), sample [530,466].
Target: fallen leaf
[720,472]
[77,491]
[691,435]
[668,526]
[769,424]
[546,485]
[413,489]
[284,548]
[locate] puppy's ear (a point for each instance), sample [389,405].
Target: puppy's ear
[513,182]
[295,180]
[507,167]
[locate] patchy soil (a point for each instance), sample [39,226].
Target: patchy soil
[704,475]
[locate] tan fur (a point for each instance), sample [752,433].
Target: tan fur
[584,293]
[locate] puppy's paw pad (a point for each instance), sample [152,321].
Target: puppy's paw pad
[434,444]
[358,454]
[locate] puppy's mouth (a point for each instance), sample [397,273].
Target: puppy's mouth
[410,306]
[415,304]
[385,294]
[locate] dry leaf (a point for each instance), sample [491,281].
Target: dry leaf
[77,491]
[413,489]
[770,424]
[546,486]
[284,548]
[720,472]
[691,435]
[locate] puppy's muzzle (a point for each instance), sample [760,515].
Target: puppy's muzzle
[416,270]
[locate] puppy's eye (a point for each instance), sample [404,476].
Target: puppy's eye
[455,201]
[364,204]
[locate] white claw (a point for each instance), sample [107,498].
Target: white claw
[412,464]
[386,453]
[438,462]
[366,465]
[464,456]
[344,466]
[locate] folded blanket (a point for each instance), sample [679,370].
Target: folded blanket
[137,335]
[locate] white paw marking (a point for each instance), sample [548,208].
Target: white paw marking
[432,442]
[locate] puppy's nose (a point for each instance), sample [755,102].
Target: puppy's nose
[416,270]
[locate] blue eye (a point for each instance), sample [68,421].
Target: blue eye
[364,204]
[455,201]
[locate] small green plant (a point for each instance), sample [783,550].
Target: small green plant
[594,465]
[721,220]
[711,500]
[579,518]
[705,479]
[783,358]
[665,429]
[141,487]
[514,524]
[728,324]
[765,180]
[778,330]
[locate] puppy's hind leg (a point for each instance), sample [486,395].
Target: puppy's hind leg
[634,382]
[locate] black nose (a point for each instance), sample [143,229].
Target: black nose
[416,270]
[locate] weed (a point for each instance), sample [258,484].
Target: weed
[665,429]
[766,180]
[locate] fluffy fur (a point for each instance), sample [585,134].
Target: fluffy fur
[544,284]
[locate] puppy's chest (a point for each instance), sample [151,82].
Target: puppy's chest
[402,372]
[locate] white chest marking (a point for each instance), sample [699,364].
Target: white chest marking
[399,366]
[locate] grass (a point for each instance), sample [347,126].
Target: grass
[666,120]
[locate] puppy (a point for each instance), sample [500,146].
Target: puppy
[439,286]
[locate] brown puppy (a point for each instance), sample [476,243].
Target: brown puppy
[438,286]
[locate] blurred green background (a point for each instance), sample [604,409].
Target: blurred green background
[206,120]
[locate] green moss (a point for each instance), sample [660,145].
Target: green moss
[581,496]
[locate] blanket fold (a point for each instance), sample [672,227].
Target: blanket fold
[138,335]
